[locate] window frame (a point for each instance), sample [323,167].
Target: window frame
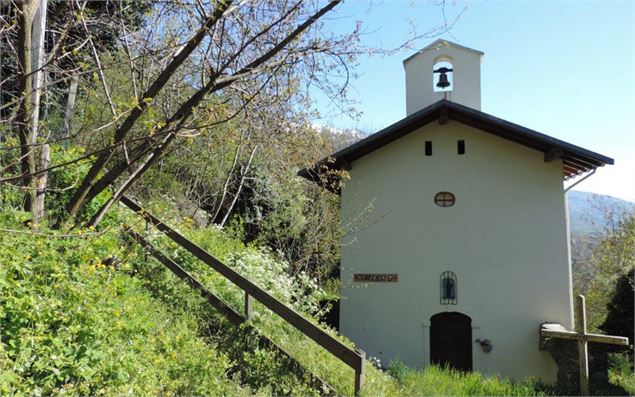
[444,299]
[460,147]
[428,148]
[442,199]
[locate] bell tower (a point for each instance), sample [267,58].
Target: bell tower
[443,69]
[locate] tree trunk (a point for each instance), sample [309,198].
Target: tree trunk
[185,110]
[109,178]
[40,186]
[37,60]
[219,206]
[39,182]
[25,109]
[243,174]
[70,105]
[149,160]
[79,197]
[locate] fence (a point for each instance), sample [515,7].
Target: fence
[353,358]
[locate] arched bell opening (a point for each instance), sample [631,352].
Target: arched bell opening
[443,74]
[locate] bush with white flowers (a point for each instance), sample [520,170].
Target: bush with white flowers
[260,267]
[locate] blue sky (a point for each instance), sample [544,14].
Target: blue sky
[562,68]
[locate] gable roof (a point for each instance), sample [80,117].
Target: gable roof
[575,160]
[441,43]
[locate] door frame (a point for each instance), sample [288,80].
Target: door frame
[476,326]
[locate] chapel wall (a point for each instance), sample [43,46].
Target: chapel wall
[505,239]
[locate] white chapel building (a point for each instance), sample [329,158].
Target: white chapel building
[457,243]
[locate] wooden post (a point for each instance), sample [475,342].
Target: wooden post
[70,104]
[41,181]
[145,252]
[553,330]
[249,305]
[354,359]
[583,361]
[360,373]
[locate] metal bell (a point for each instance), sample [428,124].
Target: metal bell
[443,77]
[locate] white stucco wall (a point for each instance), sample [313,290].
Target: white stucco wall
[505,238]
[466,77]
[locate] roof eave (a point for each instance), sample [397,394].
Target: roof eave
[576,160]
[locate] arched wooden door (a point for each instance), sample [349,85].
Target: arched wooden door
[451,340]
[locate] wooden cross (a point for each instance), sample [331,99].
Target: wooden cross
[580,334]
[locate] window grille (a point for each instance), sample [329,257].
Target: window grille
[448,288]
[444,199]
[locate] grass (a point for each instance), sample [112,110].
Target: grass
[72,325]
[398,381]
[447,382]
[622,373]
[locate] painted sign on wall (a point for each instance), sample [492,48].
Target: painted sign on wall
[377,277]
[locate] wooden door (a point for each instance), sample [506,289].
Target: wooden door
[451,340]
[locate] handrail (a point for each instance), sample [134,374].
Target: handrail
[181,273]
[352,358]
[229,313]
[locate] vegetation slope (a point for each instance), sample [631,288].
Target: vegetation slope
[74,323]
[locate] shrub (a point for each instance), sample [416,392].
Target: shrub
[71,324]
[620,317]
[260,368]
[621,372]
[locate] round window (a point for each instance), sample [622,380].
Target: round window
[444,199]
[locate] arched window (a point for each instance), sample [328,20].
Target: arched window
[448,288]
[442,74]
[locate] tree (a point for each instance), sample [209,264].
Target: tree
[613,259]
[191,67]
[22,89]
[65,39]
[241,45]
[25,110]
[619,319]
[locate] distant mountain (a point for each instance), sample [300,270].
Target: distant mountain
[590,214]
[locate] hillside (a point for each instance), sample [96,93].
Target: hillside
[590,213]
[204,112]
[76,324]
[73,324]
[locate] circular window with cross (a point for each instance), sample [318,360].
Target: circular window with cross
[444,199]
